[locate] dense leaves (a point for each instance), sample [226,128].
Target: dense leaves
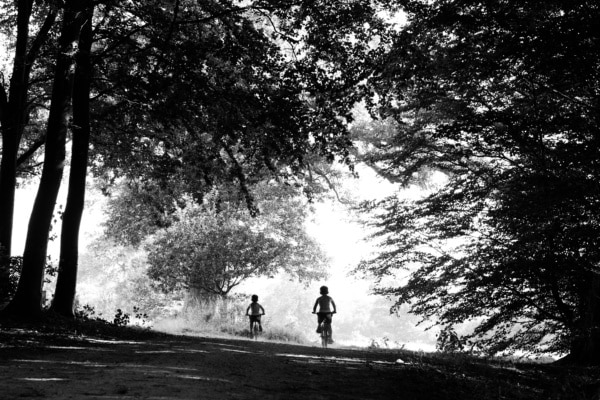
[214,248]
[503,98]
[219,92]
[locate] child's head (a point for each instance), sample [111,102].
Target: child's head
[254,298]
[324,290]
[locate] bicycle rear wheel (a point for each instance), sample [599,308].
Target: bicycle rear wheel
[325,335]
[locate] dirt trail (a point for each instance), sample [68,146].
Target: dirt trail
[207,368]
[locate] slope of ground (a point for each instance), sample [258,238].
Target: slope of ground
[127,364]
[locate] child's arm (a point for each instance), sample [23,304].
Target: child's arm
[248,309]
[333,304]
[315,306]
[262,309]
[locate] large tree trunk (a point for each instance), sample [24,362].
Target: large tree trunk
[7,205]
[12,117]
[27,302]
[64,295]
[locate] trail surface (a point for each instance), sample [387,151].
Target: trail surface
[205,368]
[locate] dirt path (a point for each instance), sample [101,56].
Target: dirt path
[206,368]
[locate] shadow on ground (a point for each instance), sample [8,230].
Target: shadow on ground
[38,365]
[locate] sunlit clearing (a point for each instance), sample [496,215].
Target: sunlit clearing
[224,344]
[155,352]
[82,363]
[113,341]
[43,379]
[238,351]
[203,378]
[340,359]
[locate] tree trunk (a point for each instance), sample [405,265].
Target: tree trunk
[12,118]
[64,295]
[27,302]
[7,206]
[585,347]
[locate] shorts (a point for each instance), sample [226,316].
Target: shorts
[321,316]
[254,318]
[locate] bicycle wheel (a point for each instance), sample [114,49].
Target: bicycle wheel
[325,335]
[255,331]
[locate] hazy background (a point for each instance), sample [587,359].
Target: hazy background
[109,279]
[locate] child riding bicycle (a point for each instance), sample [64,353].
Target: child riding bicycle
[254,311]
[326,309]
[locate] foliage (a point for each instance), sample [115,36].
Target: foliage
[259,88]
[448,341]
[86,312]
[501,98]
[121,318]
[196,93]
[16,263]
[136,210]
[114,277]
[216,246]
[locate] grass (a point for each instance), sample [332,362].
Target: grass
[224,328]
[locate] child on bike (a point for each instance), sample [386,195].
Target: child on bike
[254,311]
[326,308]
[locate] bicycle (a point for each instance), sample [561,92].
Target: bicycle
[254,327]
[326,331]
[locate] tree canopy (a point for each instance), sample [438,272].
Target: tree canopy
[214,247]
[198,93]
[503,98]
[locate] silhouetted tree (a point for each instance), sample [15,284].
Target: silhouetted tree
[502,98]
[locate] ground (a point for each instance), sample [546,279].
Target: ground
[42,364]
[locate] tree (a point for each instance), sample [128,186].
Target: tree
[214,248]
[28,297]
[15,109]
[242,102]
[64,294]
[501,98]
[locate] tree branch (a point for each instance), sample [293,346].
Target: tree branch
[34,147]
[3,102]
[239,172]
[40,38]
